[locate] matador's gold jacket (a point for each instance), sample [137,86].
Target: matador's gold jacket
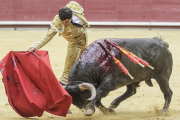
[70,32]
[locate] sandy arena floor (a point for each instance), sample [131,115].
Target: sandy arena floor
[144,105]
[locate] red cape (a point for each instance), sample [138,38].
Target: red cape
[31,85]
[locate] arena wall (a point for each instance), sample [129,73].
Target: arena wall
[165,13]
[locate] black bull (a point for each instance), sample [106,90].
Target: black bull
[96,71]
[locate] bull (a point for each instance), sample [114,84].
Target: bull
[95,74]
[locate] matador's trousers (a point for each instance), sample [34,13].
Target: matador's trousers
[74,50]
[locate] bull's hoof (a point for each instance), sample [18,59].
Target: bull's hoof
[163,112]
[110,112]
[112,106]
[88,112]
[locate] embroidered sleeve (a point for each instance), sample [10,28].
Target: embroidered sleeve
[48,36]
[56,27]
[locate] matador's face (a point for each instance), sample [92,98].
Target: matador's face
[66,22]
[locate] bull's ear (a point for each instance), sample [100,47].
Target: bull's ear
[63,84]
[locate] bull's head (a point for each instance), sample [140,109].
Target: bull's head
[82,93]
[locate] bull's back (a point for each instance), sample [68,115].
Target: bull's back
[95,63]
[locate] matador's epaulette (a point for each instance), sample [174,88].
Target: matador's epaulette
[57,24]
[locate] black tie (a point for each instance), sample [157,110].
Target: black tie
[76,24]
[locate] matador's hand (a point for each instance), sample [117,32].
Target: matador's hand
[31,49]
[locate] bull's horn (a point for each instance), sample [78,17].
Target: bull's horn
[90,87]
[63,84]
[64,87]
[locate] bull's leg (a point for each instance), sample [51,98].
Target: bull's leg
[164,86]
[104,109]
[102,90]
[131,90]
[149,82]
[97,102]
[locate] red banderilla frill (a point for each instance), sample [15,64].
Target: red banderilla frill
[131,56]
[117,62]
